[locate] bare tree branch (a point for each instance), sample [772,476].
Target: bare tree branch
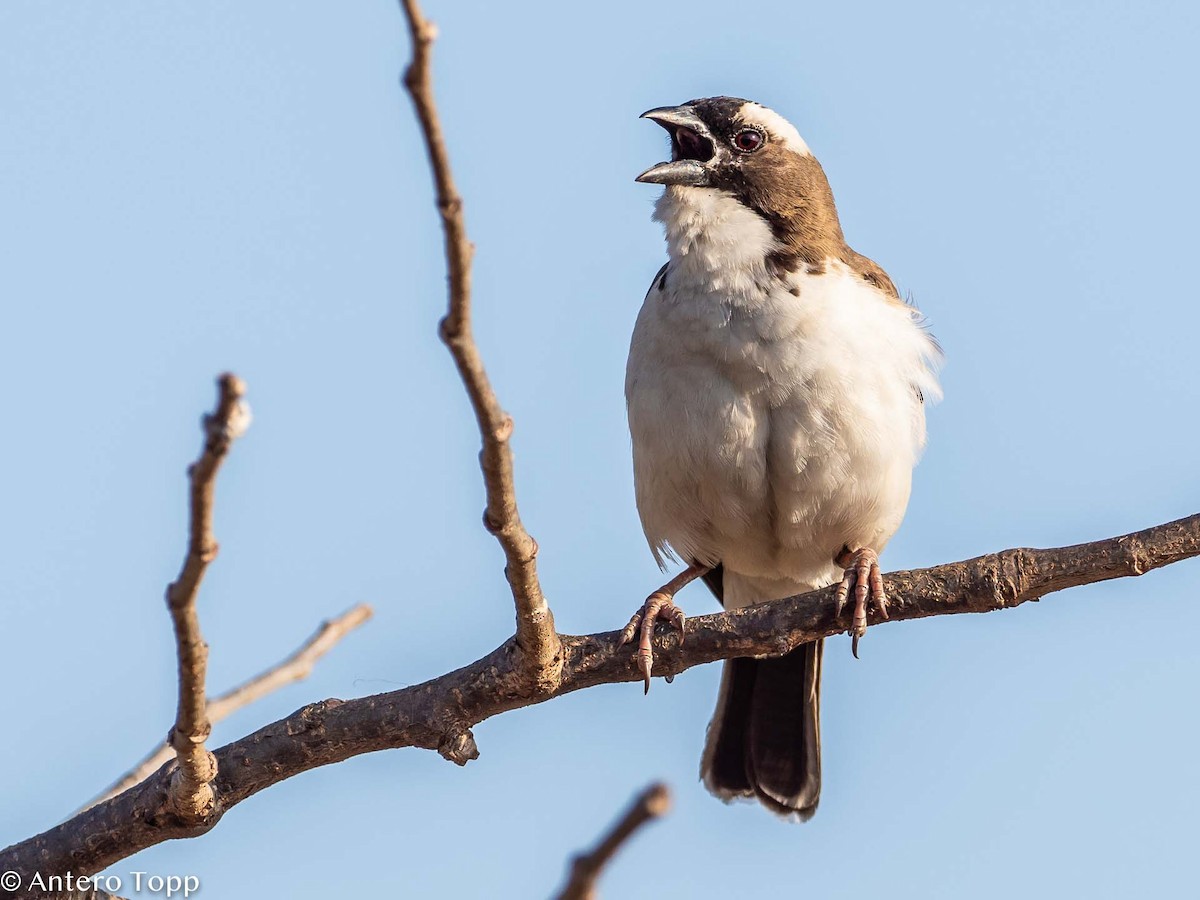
[191,795]
[652,803]
[536,636]
[439,713]
[294,668]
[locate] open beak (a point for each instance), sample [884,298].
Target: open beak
[692,148]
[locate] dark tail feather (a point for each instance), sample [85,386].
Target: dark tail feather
[764,740]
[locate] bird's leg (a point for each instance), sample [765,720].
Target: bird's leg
[659,605]
[864,575]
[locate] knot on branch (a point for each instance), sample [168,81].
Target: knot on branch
[206,767]
[504,430]
[449,329]
[539,659]
[185,742]
[424,31]
[458,746]
[191,803]
[190,795]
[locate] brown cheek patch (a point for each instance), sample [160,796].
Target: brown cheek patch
[792,194]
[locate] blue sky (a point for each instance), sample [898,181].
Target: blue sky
[193,187]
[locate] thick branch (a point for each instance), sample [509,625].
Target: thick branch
[535,625]
[191,795]
[439,714]
[295,668]
[652,803]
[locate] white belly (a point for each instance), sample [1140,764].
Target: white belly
[771,429]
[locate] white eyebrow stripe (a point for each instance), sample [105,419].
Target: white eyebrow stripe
[775,124]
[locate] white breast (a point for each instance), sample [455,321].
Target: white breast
[772,422]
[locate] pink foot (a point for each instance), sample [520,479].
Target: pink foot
[866,578]
[658,606]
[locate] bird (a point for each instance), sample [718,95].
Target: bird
[775,390]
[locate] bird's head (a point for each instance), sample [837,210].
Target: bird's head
[752,155]
[721,142]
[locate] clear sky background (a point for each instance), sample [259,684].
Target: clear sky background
[192,187]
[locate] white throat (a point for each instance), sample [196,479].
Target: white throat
[713,240]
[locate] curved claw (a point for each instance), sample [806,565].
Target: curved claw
[658,606]
[645,664]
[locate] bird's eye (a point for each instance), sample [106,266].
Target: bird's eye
[748,140]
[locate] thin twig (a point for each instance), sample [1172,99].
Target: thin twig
[439,714]
[536,637]
[652,803]
[191,794]
[294,668]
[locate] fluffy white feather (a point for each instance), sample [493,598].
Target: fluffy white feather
[772,423]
